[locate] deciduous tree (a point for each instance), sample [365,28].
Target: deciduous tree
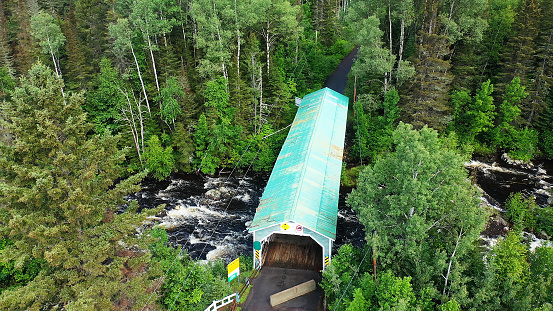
[153,18]
[423,209]
[159,160]
[122,36]
[49,36]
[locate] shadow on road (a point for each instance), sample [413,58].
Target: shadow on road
[337,80]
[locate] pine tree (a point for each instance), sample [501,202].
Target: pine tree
[518,58]
[427,96]
[428,92]
[58,201]
[92,28]
[544,61]
[77,69]
[5,51]
[183,146]
[24,50]
[501,16]
[543,124]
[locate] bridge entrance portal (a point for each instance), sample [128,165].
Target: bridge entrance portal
[294,252]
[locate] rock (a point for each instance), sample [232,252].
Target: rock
[218,194]
[519,163]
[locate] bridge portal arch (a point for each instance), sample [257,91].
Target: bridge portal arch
[297,247]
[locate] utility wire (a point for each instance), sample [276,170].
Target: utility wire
[357,119]
[345,290]
[274,121]
[236,165]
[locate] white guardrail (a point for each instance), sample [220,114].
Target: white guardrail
[221,303]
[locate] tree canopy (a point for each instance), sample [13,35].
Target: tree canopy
[420,210]
[61,197]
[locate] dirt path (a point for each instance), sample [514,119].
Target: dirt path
[337,80]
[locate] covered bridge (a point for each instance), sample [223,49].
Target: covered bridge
[295,223]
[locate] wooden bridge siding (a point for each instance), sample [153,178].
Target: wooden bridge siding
[294,252]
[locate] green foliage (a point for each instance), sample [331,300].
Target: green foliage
[341,270]
[520,211]
[103,100]
[158,160]
[374,124]
[426,101]
[207,161]
[500,20]
[481,110]
[387,293]
[508,134]
[183,148]
[359,302]
[262,149]
[544,220]
[349,176]
[12,276]
[47,32]
[216,137]
[451,305]
[374,60]
[425,211]
[394,293]
[524,144]
[474,115]
[7,83]
[545,141]
[169,97]
[214,35]
[541,269]
[58,202]
[189,285]
[506,276]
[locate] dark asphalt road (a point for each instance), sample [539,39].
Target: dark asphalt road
[337,80]
[273,280]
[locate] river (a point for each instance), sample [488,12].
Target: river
[210,216]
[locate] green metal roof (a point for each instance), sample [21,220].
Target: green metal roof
[305,181]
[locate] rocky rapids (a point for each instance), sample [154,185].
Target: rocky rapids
[210,216]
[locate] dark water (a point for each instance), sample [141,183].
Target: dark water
[500,178]
[210,217]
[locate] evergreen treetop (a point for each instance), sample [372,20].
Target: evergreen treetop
[60,200]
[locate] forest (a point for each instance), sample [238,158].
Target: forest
[97,95]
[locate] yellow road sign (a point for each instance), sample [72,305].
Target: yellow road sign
[233,265]
[285,226]
[233,269]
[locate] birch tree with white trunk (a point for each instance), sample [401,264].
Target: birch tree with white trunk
[122,36]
